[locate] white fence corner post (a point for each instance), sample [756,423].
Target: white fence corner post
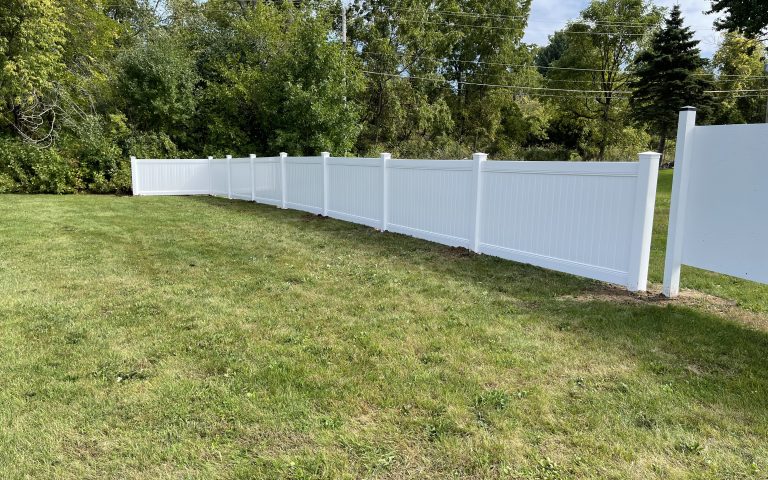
[283,182]
[210,175]
[642,230]
[477,186]
[326,156]
[679,200]
[134,176]
[229,177]
[253,182]
[385,158]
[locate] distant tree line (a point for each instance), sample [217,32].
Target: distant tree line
[86,83]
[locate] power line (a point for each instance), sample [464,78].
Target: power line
[535,67]
[520,87]
[618,93]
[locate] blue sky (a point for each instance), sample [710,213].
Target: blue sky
[550,15]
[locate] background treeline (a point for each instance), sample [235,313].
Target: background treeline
[86,83]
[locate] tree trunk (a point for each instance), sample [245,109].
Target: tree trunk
[662,145]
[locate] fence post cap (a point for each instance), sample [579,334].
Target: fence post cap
[210,157]
[253,155]
[480,156]
[229,156]
[386,155]
[283,154]
[325,154]
[688,109]
[133,158]
[651,153]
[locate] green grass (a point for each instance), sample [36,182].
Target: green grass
[147,338]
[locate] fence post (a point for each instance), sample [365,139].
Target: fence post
[229,177]
[134,176]
[477,187]
[325,156]
[679,200]
[283,181]
[645,202]
[253,183]
[385,158]
[210,175]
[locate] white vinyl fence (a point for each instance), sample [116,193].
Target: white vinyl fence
[589,219]
[719,211]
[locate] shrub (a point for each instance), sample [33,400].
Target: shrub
[29,169]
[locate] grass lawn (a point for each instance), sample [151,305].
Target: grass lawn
[154,338]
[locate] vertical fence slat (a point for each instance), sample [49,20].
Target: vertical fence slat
[679,200]
[253,182]
[283,181]
[229,177]
[134,176]
[477,190]
[210,175]
[385,158]
[326,196]
[640,251]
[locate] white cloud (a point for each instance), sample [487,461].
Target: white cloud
[547,16]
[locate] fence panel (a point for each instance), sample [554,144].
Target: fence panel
[240,172]
[219,176]
[355,190]
[170,177]
[267,181]
[572,217]
[304,183]
[431,199]
[719,201]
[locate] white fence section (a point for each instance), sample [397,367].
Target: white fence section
[589,219]
[719,211]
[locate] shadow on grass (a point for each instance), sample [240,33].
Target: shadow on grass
[706,357]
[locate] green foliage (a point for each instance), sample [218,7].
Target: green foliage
[31,45]
[99,82]
[598,48]
[155,86]
[93,148]
[668,77]
[29,169]
[739,63]
[748,17]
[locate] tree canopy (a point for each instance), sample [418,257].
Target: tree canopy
[86,83]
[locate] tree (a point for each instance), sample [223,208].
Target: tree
[739,64]
[155,85]
[667,77]
[552,52]
[747,17]
[31,45]
[600,45]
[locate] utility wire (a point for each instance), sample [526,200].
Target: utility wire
[546,89]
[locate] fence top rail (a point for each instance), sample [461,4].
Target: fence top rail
[355,161]
[306,160]
[610,169]
[173,160]
[455,165]
[741,127]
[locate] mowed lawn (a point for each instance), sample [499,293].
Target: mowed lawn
[158,338]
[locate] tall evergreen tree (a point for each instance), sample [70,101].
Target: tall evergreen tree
[666,78]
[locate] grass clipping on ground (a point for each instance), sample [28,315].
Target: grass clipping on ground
[205,338]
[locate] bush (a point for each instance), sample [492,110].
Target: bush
[30,169]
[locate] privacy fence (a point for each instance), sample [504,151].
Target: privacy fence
[587,218]
[719,211]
